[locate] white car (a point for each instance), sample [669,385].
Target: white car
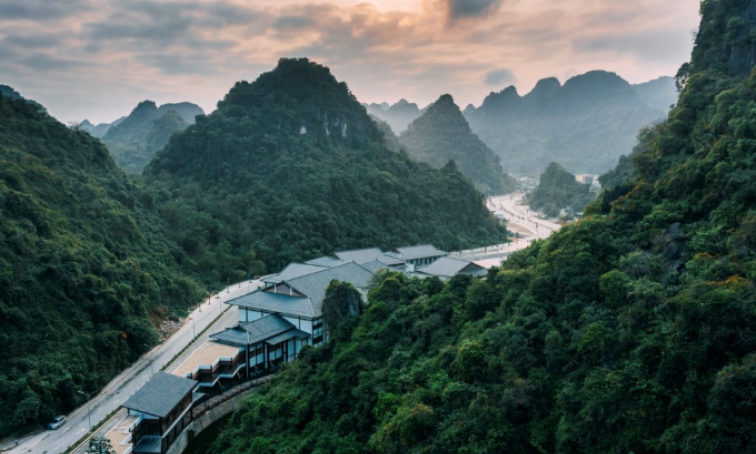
[57,422]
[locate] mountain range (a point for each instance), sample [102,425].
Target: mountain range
[585,124]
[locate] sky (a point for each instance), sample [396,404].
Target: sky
[96,59]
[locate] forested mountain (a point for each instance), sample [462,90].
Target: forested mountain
[292,167]
[633,330]
[442,134]
[398,115]
[135,140]
[585,124]
[558,190]
[84,265]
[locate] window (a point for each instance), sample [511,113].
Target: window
[318,331]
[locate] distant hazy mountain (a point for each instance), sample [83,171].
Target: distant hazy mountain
[10,92]
[134,140]
[585,124]
[99,130]
[660,93]
[398,116]
[442,134]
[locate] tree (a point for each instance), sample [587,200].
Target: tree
[342,301]
[100,446]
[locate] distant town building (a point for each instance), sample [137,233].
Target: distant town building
[584,178]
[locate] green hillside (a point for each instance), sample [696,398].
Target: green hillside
[633,330]
[442,134]
[292,167]
[84,266]
[557,190]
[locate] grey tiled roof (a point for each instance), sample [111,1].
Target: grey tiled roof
[360,256]
[314,285]
[291,271]
[447,267]
[417,252]
[287,335]
[259,330]
[160,395]
[275,302]
[374,266]
[324,261]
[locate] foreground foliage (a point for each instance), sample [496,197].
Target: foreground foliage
[633,330]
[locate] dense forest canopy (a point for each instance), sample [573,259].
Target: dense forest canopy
[442,134]
[633,330]
[585,124]
[291,166]
[84,266]
[558,190]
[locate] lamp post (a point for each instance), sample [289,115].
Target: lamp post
[89,413]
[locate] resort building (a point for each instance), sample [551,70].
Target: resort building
[421,255]
[446,267]
[358,256]
[276,321]
[160,410]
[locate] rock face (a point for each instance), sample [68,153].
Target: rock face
[442,134]
[134,140]
[585,124]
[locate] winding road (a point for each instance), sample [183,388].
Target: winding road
[131,379]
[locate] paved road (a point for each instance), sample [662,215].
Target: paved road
[519,219]
[130,380]
[516,213]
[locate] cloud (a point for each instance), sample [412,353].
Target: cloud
[44,62]
[41,10]
[464,9]
[499,77]
[113,53]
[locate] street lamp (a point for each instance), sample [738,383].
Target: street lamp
[89,413]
